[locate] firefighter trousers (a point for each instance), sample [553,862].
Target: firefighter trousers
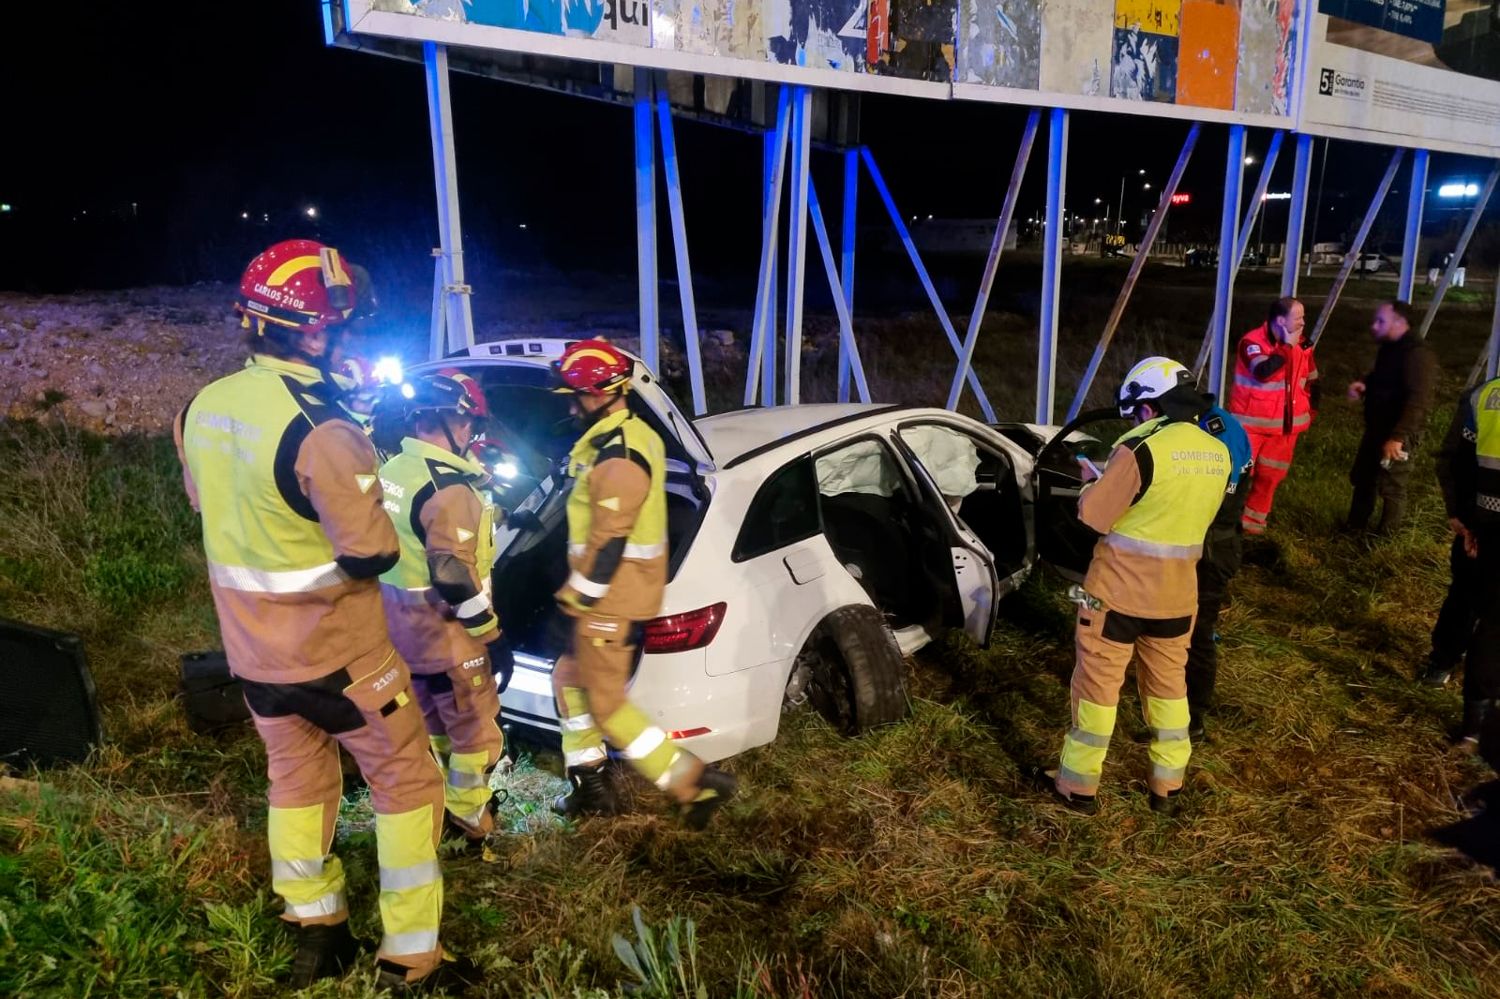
[1273,459]
[369,709]
[1106,642]
[589,683]
[461,709]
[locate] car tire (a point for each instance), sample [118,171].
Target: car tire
[858,679]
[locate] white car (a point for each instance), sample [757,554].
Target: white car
[811,549]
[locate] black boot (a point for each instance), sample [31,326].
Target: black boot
[1433,675]
[1165,804]
[715,788]
[1467,736]
[454,976]
[323,951]
[592,794]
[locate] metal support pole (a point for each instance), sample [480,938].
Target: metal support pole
[847,346]
[796,245]
[645,221]
[1352,256]
[1492,366]
[1229,242]
[1296,219]
[851,208]
[1242,244]
[1459,251]
[1411,244]
[992,264]
[916,259]
[436,347]
[1137,264]
[457,312]
[1052,241]
[763,328]
[680,245]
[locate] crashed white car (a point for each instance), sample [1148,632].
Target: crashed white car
[812,548]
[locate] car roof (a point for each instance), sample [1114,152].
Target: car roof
[731,435]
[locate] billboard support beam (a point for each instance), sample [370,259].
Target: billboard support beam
[847,347]
[690,340]
[1459,251]
[1357,248]
[1492,365]
[1052,241]
[1242,244]
[846,276]
[1411,242]
[992,263]
[1296,219]
[457,313]
[645,221]
[1230,248]
[796,235]
[763,327]
[1138,263]
[916,259]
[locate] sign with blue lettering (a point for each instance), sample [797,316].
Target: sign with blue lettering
[1420,19]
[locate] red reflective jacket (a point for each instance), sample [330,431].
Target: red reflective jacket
[1282,403]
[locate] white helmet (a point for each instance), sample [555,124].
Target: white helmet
[1150,379]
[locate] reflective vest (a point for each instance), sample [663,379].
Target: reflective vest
[241,437]
[409,480]
[1189,476]
[1281,405]
[1486,401]
[636,586]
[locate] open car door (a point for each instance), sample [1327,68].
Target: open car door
[974,574]
[1062,540]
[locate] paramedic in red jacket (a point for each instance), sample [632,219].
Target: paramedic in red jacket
[1274,397]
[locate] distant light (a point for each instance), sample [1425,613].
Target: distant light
[523,225]
[265,216]
[1098,201]
[388,370]
[311,212]
[1142,173]
[5,209]
[1458,190]
[1145,187]
[1182,198]
[505,469]
[929,218]
[1249,160]
[1277,196]
[244,215]
[407,391]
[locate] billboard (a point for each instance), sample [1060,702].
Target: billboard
[1420,73]
[1208,60]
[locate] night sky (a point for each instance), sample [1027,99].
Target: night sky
[133,154]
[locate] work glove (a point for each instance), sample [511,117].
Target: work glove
[523,520]
[502,661]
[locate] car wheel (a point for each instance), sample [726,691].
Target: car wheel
[852,671]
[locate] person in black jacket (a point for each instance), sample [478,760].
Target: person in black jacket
[1397,394]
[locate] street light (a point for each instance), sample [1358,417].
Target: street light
[1458,189]
[312,212]
[1249,161]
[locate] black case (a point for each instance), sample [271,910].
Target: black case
[211,697]
[49,714]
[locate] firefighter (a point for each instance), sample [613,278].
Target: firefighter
[1468,626]
[437,597]
[295,537]
[1275,398]
[617,553]
[1164,482]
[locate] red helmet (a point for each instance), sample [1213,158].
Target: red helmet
[300,284]
[478,405]
[592,367]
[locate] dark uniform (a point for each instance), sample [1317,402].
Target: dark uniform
[1398,395]
[1468,470]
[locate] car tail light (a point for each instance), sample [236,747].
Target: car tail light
[684,632]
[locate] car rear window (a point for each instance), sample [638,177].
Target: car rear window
[784,511]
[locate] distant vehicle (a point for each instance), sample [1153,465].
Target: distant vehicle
[1254,257]
[1201,256]
[1371,263]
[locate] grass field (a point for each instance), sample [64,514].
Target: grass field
[913,861]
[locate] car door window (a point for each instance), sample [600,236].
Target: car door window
[978,483]
[783,512]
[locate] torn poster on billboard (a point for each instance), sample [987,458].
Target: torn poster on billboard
[1268,53]
[1000,43]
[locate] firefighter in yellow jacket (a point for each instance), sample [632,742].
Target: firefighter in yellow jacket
[1154,502]
[617,553]
[437,597]
[295,538]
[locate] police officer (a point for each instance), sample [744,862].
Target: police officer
[1154,502]
[437,597]
[295,537]
[1468,468]
[617,552]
